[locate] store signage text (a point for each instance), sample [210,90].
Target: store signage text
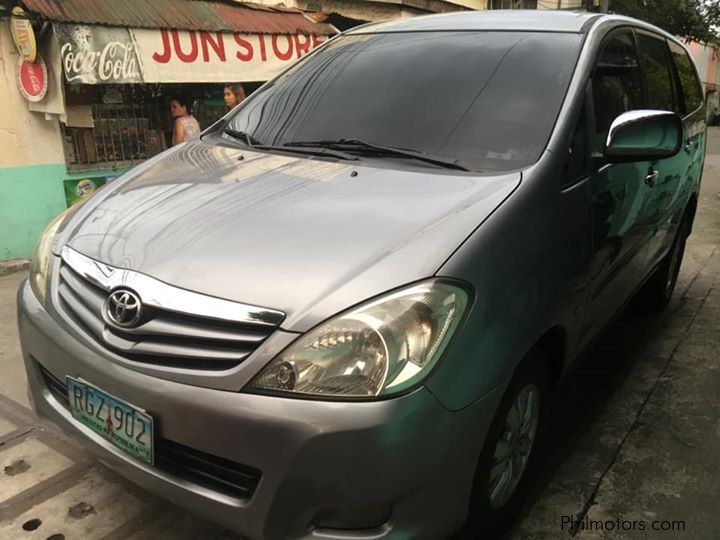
[99,54]
[23,35]
[116,61]
[190,46]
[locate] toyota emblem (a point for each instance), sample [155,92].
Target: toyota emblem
[123,308]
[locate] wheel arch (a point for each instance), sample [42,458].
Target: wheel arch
[553,345]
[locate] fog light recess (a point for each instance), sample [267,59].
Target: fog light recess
[352,518]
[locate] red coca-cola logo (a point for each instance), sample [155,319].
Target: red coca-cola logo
[32,79]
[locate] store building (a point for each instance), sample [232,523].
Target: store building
[362,11]
[707,60]
[377,10]
[85,87]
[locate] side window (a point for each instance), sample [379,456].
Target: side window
[658,73]
[691,89]
[616,82]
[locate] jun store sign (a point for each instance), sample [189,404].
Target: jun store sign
[97,55]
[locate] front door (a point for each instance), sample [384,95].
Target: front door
[619,195]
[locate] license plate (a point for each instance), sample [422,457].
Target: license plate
[126,426]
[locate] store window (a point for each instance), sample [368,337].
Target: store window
[513,4]
[113,126]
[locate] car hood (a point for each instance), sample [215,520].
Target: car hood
[306,236]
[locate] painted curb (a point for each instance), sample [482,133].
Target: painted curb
[12,266]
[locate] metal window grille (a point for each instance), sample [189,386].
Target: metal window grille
[124,135]
[514,4]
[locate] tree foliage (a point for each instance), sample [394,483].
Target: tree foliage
[693,19]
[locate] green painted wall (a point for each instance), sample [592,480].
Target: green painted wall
[30,197]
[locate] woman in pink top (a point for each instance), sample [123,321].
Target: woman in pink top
[185,126]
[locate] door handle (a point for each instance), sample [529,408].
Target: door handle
[652,177]
[689,146]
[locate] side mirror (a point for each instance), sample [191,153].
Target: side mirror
[642,136]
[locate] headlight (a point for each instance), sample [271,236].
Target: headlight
[41,258]
[380,348]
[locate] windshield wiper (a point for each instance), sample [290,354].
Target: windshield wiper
[312,150]
[369,148]
[236,134]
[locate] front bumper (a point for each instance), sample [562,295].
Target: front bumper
[409,454]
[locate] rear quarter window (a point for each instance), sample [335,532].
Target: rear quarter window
[689,83]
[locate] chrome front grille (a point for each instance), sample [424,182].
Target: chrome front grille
[178,328]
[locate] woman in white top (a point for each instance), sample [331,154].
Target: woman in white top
[185,126]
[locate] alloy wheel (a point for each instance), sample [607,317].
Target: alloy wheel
[513,449]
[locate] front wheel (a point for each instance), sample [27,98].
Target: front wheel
[500,477]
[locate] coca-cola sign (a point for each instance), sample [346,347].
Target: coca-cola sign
[101,54]
[98,55]
[32,79]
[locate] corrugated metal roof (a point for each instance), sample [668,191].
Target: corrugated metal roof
[214,15]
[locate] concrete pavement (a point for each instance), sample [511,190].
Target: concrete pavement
[635,435]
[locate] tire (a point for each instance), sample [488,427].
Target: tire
[657,292]
[491,511]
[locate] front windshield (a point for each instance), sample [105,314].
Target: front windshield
[488,100]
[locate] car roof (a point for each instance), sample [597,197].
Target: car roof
[509,19]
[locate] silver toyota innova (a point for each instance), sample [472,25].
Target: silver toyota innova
[340,313]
